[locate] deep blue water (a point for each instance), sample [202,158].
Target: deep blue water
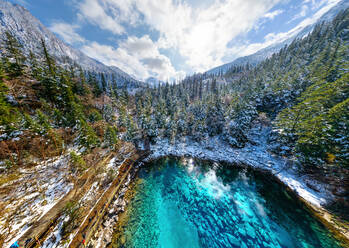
[180,205]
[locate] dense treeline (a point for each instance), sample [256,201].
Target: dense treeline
[304,88]
[44,102]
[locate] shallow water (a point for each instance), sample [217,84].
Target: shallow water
[179,205]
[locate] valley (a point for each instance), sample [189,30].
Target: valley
[254,153]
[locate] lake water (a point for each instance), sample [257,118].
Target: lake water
[187,204]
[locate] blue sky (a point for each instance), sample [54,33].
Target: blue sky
[168,39]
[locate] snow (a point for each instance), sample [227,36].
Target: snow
[91,193]
[21,230]
[33,195]
[55,237]
[29,31]
[301,189]
[72,236]
[111,163]
[255,156]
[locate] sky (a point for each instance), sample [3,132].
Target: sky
[168,39]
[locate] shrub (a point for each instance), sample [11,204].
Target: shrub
[72,210]
[77,161]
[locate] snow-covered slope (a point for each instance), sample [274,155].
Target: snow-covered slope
[252,155]
[29,31]
[267,52]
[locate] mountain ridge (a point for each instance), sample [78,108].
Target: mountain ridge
[267,52]
[29,31]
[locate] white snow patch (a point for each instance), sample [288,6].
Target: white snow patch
[55,237]
[254,156]
[34,194]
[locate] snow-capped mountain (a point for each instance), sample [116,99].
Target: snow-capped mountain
[29,31]
[267,52]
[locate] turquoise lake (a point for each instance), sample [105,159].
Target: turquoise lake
[187,204]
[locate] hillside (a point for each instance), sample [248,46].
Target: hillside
[72,139]
[29,31]
[55,125]
[300,93]
[267,52]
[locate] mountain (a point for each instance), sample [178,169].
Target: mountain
[154,82]
[264,53]
[29,31]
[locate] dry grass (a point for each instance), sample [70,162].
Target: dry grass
[8,178]
[31,145]
[24,90]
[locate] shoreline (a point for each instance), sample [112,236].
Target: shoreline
[257,158]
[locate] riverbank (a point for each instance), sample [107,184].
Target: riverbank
[314,194]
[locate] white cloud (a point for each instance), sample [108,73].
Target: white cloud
[315,4]
[93,11]
[309,1]
[273,38]
[272,15]
[136,56]
[303,12]
[67,32]
[203,36]
[123,11]
[200,35]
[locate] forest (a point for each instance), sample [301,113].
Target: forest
[302,90]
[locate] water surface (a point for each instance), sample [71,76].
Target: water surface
[187,204]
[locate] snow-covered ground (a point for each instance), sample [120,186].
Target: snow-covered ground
[256,156]
[39,189]
[31,196]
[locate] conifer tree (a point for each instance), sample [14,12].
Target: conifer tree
[8,115]
[13,56]
[104,83]
[36,70]
[80,86]
[111,137]
[87,136]
[130,128]
[50,63]
[96,90]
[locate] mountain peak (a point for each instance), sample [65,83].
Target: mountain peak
[29,31]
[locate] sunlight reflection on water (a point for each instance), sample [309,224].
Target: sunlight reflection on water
[184,204]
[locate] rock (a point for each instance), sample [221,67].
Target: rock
[11,100]
[311,186]
[340,192]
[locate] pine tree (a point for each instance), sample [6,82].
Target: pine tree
[96,90]
[36,70]
[130,128]
[50,63]
[80,86]
[43,122]
[122,116]
[111,137]
[87,136]
[13,56]
[8,115]
[104,83]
